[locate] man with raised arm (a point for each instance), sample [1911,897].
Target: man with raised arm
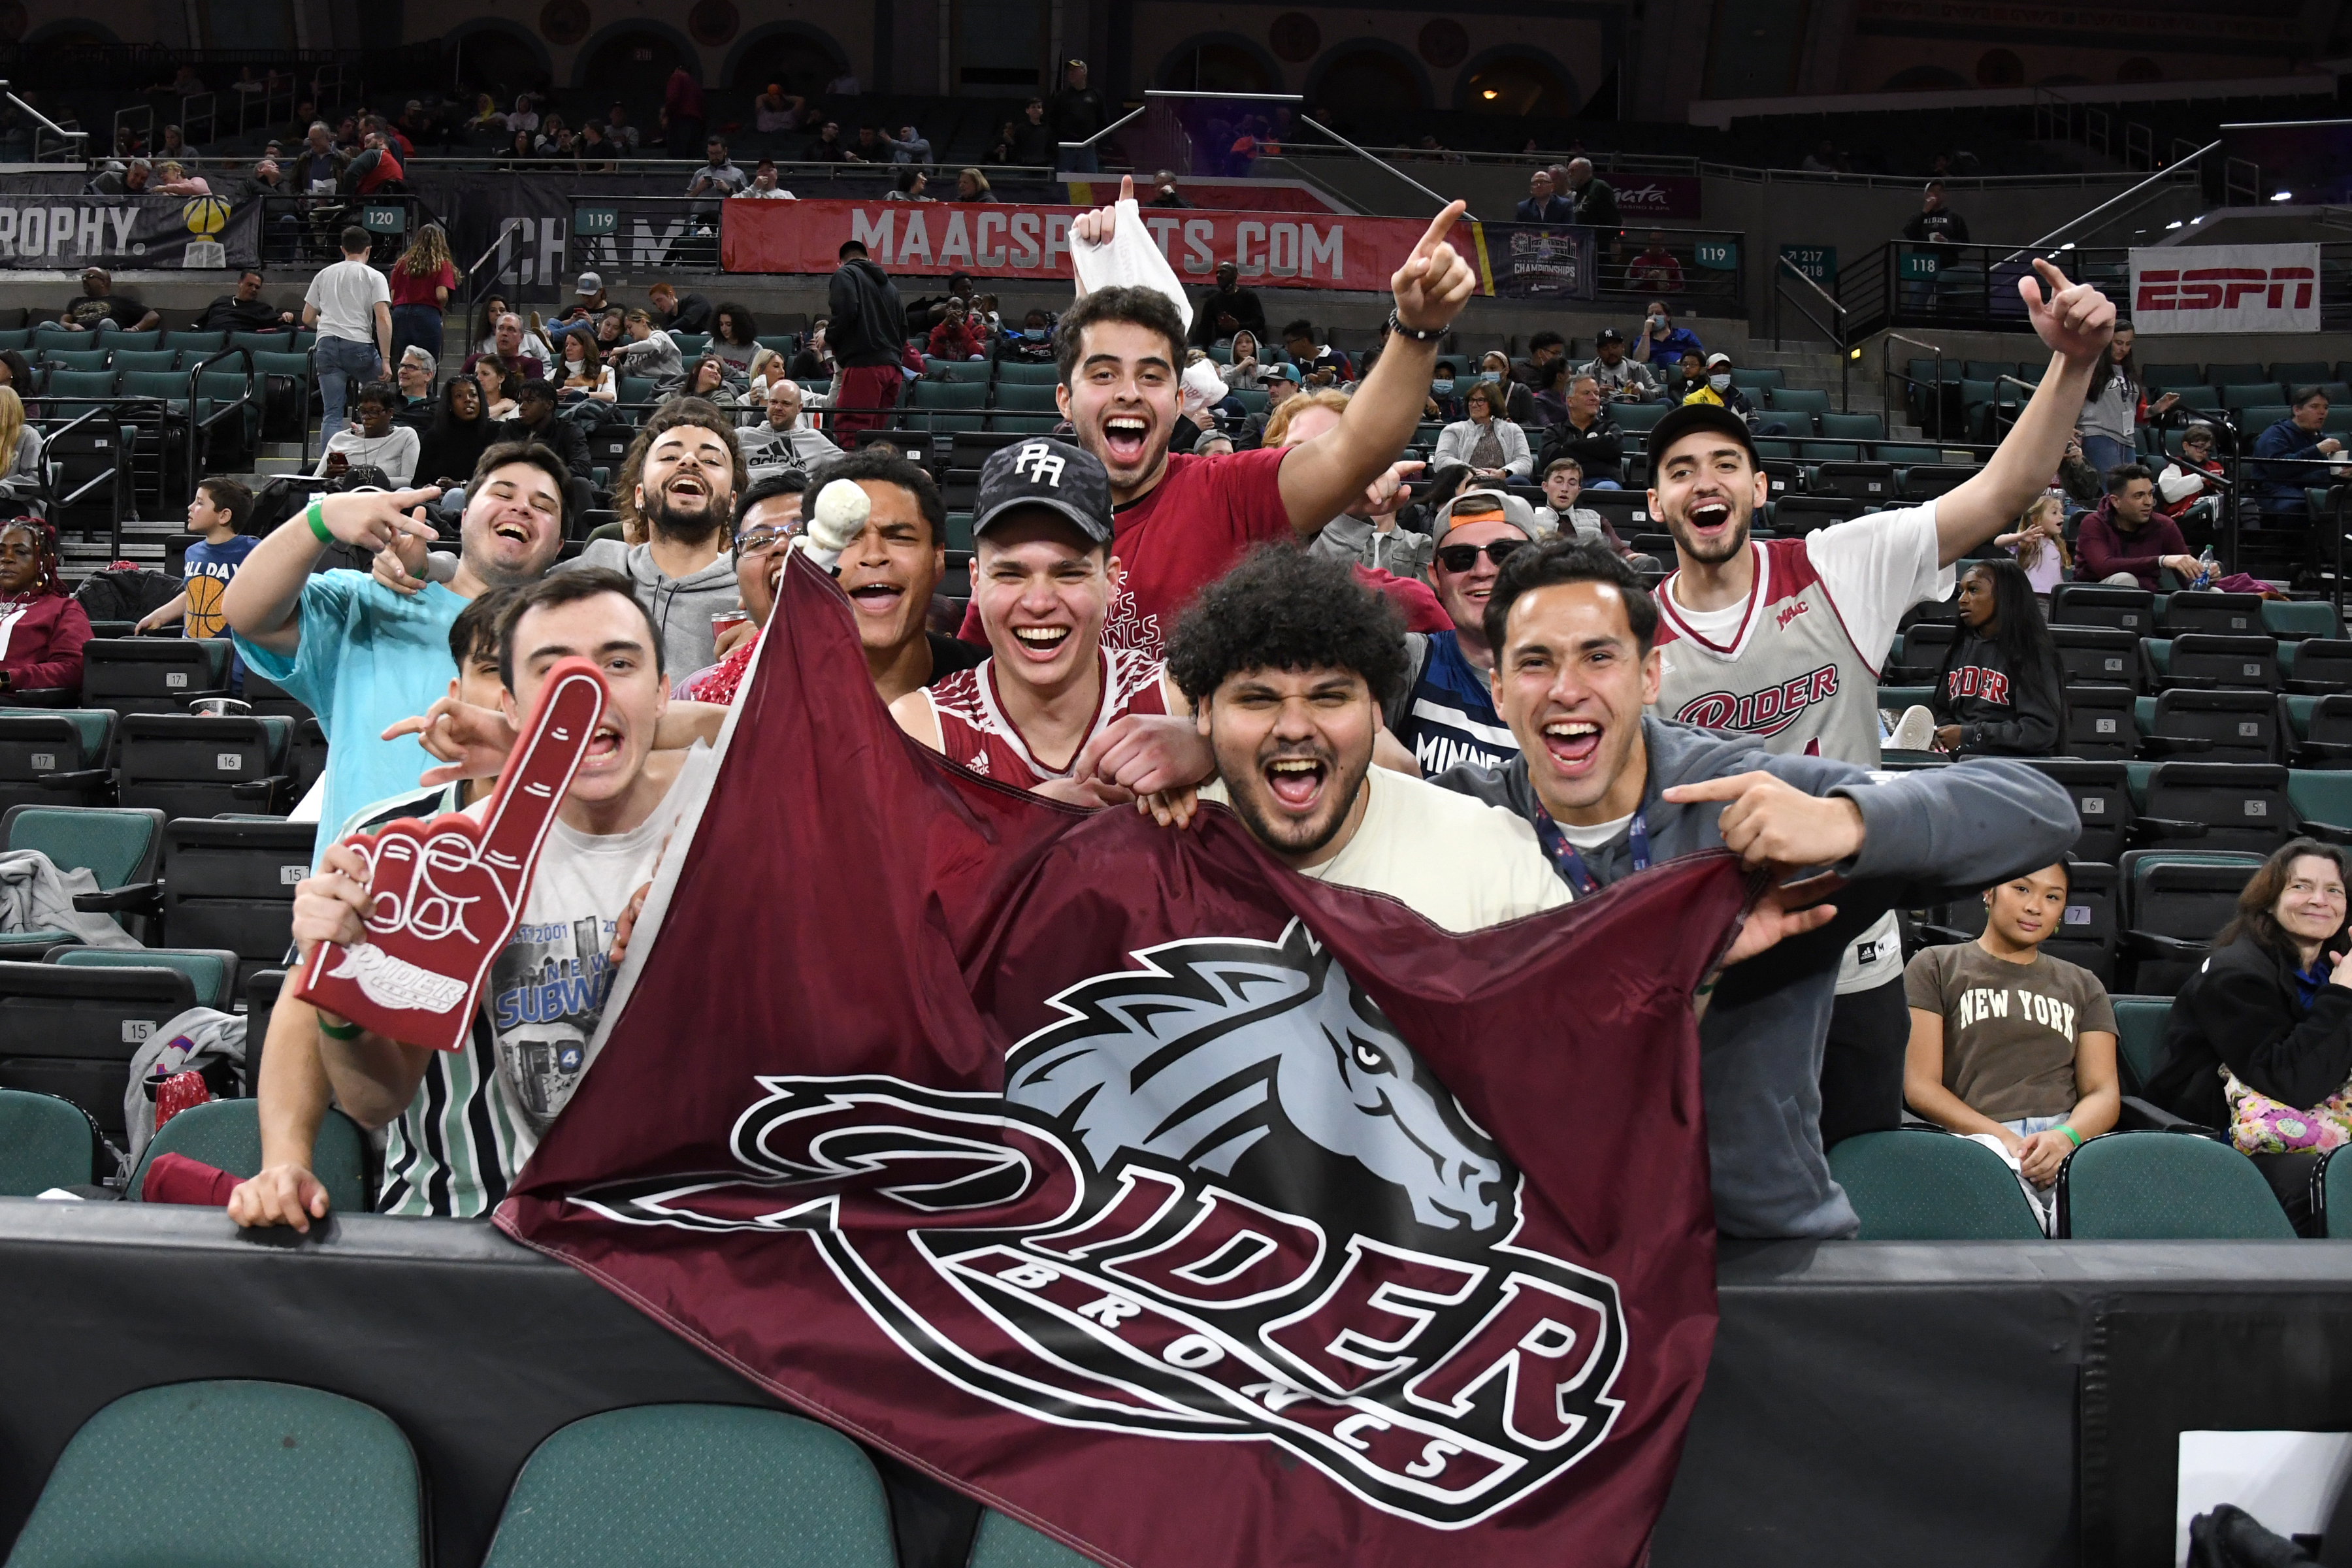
[1783,641]
[1182,519]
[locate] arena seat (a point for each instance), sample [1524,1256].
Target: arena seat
[2150,1186]
[1805,402]
[2331,1194]
[1011,372]
[1870,483]
[56,756]
[691,344]
[79,361]
[956,369]
[1923,1183]
[2101,724]
[230,884]
[45,1142]
[2323,802]
[227,1135]
[2174,902]
[2221,726]
[2230,615]
[2291,373]
[72,1032]
[321,1481]
[2221,373]
[211,971]
[2235,805]
[2320,666]
[2103,803]
[2129,610]
[1008,1544]
[306,758]
[946,405]
[185,765]
[118,846]
[674,1486]
[2205,660]
[154,674]
[2099,656]
[196,341]
[1637,416]
[1926,481]
[144,360]
[2139,1038]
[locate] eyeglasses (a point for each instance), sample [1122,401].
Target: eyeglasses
[1462,557]
[753,540]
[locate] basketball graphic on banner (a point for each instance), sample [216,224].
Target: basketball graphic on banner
[205,217]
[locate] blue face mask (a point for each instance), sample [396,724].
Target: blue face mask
[1034,334]
[1442,388]
[1490,376]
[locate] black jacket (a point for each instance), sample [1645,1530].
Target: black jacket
[230,314]
[1596,204]
[568,440]
[2242,1011]
[2001,712]
[869,320]
[1242,305]
[1601,449]
[693,315]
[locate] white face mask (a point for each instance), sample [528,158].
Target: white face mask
[1720,383]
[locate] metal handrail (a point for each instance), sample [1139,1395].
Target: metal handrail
[1836,334]
[1886,372]
[1795,271]
[2123,196]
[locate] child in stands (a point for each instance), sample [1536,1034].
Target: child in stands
[217,514]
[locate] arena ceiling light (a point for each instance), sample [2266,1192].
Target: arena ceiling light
[2283,196]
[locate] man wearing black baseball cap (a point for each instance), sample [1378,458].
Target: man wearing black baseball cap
[1042,582]
[1621,376]
[1783,641]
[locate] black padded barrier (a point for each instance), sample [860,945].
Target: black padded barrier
[1897,1402]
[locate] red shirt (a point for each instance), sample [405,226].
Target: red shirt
[1198,521]
[40,643]
[976,733]
[416,288]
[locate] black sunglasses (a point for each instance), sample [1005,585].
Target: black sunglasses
[1462,557]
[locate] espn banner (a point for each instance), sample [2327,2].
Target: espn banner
[1100,1168]
[2225,288]
[1281,250]
[125,233]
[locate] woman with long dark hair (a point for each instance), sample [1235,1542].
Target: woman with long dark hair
[458,437]
[42,629]
[2259,1040]
[2002,691]
[2115,404]
[735,338]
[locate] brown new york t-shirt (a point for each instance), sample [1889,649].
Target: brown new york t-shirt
[2008,1028]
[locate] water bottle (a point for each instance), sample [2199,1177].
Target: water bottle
[2207,569]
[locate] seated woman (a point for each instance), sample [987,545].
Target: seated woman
[1241,371]
[2002,692]
[2007,1043]
[584,373]
[709,380]
[2259,1040]
[496,385]
[1489,445]
[42,629]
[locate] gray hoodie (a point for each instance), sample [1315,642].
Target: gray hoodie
[681,607]
[1929,835]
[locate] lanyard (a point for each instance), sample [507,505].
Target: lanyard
[1571,865]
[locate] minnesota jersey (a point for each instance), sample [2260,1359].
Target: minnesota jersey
[975,731]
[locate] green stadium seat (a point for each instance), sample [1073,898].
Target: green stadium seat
[1829,451]
[946,405]
[115,338]
[1641,417]
[2220,374]
[635,389]
[227,1135]
[118,847]
[1011,371]
[56,756]
[19,338]
[1764,380]
[266,343]
[2251,395]
[1899,453]
[2254,419]
[2322,798]
[75,359]
[1916,1184]
[1018,399]
[2139,1038]
[2331,1193]
[2172,377]
[2165,1186]
[957,369]
[2196,399]
[45,1142]
[1986,369]
[1798,400]
[2301,372]
[211,971]
[145,358]
[201,342]
[1008,1544]
[166,384]
[669,1485]
[2293,619]
[1853,427]
[319,1481]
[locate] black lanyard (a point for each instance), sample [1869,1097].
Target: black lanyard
[1571,865]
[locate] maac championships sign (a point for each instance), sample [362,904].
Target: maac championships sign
[2226,289]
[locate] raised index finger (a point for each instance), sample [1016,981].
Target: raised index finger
[532,787]
[1730,788]
[1126,187]
[1440,226]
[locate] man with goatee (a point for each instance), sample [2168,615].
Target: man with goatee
[682,474]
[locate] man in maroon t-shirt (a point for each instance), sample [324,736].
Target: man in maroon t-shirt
[1182,521]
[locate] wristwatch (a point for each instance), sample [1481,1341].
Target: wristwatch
[1397,328]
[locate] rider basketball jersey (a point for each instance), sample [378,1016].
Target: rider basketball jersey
[1797,665]
[975,731]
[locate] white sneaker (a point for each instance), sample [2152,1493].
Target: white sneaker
[1916,731]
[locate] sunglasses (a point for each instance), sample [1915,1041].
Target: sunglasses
[1462,557]
[753,540]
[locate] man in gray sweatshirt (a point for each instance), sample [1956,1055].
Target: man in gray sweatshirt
[1610,791]
[685,471]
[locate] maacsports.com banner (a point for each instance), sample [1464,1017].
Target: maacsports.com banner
[1303,250]
[1103,1169]
[2225,288]
[128,233]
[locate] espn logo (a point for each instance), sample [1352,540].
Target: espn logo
[2225,288]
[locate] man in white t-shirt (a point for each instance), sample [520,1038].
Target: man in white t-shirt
[351,305]
[461,1123]
[1783,641]
[1287,663]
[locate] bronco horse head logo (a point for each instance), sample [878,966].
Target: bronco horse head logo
[1199,1056]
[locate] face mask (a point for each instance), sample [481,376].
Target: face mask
[1441,388]
[1720,383]
[1034,334]
[1490,377]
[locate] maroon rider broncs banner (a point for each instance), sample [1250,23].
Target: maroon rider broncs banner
[1186,1209]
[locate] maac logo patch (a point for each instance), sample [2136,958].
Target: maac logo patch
[1221,1199]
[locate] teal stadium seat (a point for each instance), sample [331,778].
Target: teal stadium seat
[226,1134]
[45,1142]
[1917,1185]
[1005,1542]
[2169,1186]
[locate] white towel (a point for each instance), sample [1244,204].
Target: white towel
[1132,258]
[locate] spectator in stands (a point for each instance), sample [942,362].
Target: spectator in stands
[1710,382]
[764,187]
[245,310]
[1032,138]
[1596,203]
[2259,1040]
[815,361]
[867,335]
[676,312]
[827,148]
[719,176]
[2083,484]
[650,351]
[2126,542]
[1544,348]
[2185,490]
[1446,714]
[1589,435]
[413,377]
[512,348]
[172,179]
[22,478]
[1077,114]
[497,382]
[735,338]
[682,103]
[16,374]
[1719,665]
[1656,267]
[1227,311]
[46,626]
[2040,546]
[1242,369]
[767,516]
[1489,445]
[1320,364]
[955,338]
[908,187]
[2278,486]
[535,420]
[98,304]
[1375,541]
[449,452]
[1933,222]
[351,306]
[2116,406]
[1561,518]
[588,299]
[362,654]
[1543,204]
[1824,159]
[1164,192]
[375,442]
[785,439]
[683,474]
[592,875]
[1621,376]
[971,186]
[776,110]
[420,284]
[376,167]
[1610,790]
[2008,1044]
[215,516]
[1032,344]
[268,179]
[2001,692]
[1665,344]
[318,167]
[1518,401]
[581,372]
[620,132]
[707,379]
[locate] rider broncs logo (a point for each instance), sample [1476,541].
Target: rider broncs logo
[1220,1199]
